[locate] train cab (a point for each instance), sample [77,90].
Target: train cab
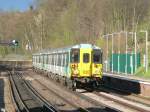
[86,64]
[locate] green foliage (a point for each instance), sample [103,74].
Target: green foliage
[142,73]
[101,42]
[58,23]
[3,51]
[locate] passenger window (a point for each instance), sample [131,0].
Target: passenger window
[86,57]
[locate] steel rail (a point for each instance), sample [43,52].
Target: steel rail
[11,94]
[16,93]
[40,98]
[90,100]
[80,108]
[123,103]
[118,92]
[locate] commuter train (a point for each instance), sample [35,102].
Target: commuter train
[74,66]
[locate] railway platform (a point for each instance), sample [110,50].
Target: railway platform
[6,104]
[128,83]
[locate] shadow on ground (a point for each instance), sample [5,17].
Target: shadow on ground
[2,103]
[126,86]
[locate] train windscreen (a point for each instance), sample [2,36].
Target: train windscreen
[75,56]
[97,56]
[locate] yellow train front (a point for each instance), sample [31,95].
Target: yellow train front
[86,65]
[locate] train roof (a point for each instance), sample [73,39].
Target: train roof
[65,49]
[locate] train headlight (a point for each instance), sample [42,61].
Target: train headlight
[76,71]
[95,65]
[97,71]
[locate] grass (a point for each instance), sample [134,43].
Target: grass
[142,73]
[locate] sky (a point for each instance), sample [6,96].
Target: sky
[9,5]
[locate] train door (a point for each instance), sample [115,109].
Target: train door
[85,60]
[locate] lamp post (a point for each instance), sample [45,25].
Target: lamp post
[135,50]
[106,62]
[119,53]
[126,52]
[112,51]
[126,47]
[146,51]
[131,59]
[113,48]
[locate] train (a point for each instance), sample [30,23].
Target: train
[74,66]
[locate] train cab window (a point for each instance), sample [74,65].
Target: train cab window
[75,56]
[97,56]
[86,57]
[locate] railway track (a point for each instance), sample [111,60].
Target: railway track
[118,101]
[128,96]
[78,97]
[132,106]
[68,104]
[104,96]
[64,99]
[25,97]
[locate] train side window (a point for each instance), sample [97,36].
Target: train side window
[67,59]
[59,59]
[39,59]
[55,59]
[58,62]
[33,59]
[50,59]
[44,59]
[63,60]
[47,59]
[86,57]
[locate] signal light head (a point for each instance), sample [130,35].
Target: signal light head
[15,42]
